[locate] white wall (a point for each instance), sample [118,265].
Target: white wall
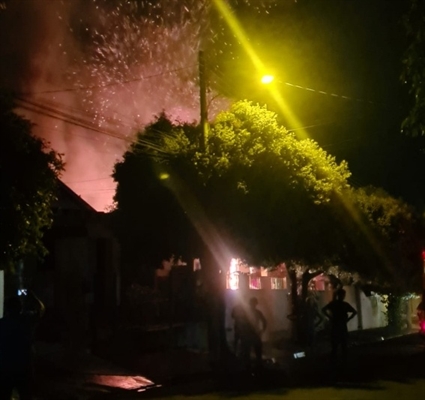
[275,305]
[373,311]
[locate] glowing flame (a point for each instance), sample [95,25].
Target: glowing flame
[233,278]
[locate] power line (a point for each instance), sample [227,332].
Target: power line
[311,126]
[327,94]
[62,116]
[221,78]
[97,190]
[222,82]
[77,121]
[343,141]
[83,112]
[105,85]
[88,180]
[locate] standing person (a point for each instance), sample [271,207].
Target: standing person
[312,319]
[250,333]
[239,319]
[339,313]
[16,344]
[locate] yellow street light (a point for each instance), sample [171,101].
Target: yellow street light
[266,79]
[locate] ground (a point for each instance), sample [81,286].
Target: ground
[379,369]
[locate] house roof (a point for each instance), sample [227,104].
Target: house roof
[68,199]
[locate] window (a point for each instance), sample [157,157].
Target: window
[278,283]
[255,282]
[232,281]
[319,283]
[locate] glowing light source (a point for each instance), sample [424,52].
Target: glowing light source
[266,79]
[278,283]
[164,176]
[138,383]
[238,31]
[233,277]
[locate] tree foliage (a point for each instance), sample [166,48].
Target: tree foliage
[396,239]
[260,193]
[257,193]
[28,174]
[263,191]
[414,67]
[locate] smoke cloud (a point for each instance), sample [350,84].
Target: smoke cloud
[90,73]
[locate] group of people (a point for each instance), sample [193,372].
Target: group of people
[250,324]
[17,328]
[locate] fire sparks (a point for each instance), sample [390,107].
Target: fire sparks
[110,65]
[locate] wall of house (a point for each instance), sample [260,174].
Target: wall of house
[78,285]
[372,311]
[275,305]
[325,296]
[73,257]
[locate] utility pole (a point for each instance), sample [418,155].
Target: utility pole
[203,102]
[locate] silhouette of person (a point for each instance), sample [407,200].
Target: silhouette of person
[239,318]
[339,313]
[251,329]
[16,341]
[312,319]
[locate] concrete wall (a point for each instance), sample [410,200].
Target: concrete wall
[372,311]
[73,258]
[275,305]
[324,297]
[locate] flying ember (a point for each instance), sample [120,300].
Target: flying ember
[91,73]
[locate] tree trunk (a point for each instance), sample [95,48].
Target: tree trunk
[297,302]
[305,280]
[292,275]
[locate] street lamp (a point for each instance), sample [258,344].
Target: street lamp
[266,79]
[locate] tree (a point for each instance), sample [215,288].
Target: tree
[383,240]
[28,174]
[151,224]
[402,233]
[255,167]
[257,192]
[414,67]
[398,230]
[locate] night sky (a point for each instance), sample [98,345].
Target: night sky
[112,65]
[352,49]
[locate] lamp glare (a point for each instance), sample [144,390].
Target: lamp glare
[266,79]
